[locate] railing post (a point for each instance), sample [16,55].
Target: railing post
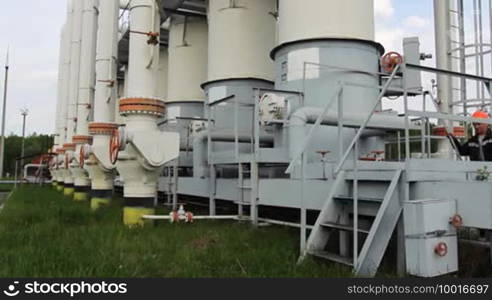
[356,205]
[407,121]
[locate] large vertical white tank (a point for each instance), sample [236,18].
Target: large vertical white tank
[241,36]
[188,40]
[352,19]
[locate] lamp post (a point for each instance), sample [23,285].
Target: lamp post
[2,137]
[24,113]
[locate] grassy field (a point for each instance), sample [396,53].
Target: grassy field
[43,234]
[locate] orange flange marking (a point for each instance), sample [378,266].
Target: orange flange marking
[82,139]
[142,106]
[102,128]
[458,131]
[69,146]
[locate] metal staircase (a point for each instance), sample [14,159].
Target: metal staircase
[334,217]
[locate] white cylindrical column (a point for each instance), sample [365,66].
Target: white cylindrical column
[241,36]
[87,67]
[98,165]
[442,27]
[348,19]
[61,80]
[188,40]
[66,76]
[143,58]
[74,68]
[85,96]
[73,91]
[106,66]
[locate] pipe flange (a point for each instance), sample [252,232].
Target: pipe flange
[69,146]
[142,106]
[102,128]
[82,139]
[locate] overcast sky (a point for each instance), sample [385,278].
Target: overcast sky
[32,29]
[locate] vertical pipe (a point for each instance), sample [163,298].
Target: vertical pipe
[59,100]
[443,61]
[66,76]
[74,68]
[106,67]
[87,67]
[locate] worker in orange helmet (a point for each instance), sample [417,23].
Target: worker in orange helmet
[478,147]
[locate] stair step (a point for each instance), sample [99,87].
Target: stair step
[360,199]
[333,257]
[343,227]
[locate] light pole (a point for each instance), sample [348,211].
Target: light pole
[2,138]
[24,113]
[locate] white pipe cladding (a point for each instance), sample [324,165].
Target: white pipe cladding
[143,58]
[63,113]
[61,80]
[162,73]
[241,37]
[310,19]
[187,59]
[74,69]
[106,67]
[87,66]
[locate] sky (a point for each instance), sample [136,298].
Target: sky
[32,29]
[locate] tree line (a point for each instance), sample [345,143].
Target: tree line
[34,144]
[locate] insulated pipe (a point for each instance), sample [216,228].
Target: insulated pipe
[308,115]
[58,142]
[143,148]
[62,129]
[101,171]
[85,96]
[73,92]
[60,100]
[442,24]
[66,76]
[200,150]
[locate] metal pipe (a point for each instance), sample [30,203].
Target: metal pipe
[443,61]
[101,171]
[76,39]
[200,147]
[85,97]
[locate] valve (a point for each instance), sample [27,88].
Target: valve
[390,60]
[83,155]
[116,144]
[441,249]
[456,221]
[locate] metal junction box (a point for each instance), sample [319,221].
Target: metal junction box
[431,243]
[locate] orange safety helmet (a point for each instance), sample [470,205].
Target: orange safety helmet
[480,114]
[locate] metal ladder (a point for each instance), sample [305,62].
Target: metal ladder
[334,217]
[241,187]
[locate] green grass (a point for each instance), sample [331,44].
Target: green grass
[43,234]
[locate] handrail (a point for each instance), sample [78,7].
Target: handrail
[315,126]
[366,122]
